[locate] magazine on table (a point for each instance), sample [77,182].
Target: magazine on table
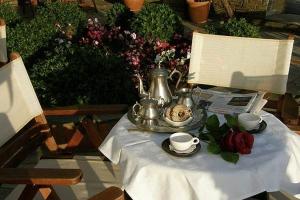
[225,102]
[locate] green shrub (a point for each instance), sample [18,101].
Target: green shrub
[234,27]
[81,75]
[30,38]
[62,13]
[118,15]
[157,21]
[9,14]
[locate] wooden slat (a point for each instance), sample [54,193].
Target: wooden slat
[19,143]
[2,22]
[14,55]
[228,8]
[94,136]
[29,192]
[86,110]
[295,62]
[48,193]
[40,176]
[111,193]
[289,111]
[295,128]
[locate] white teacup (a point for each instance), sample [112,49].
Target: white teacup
[183,141]
[249,121]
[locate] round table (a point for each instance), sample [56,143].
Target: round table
[148,172]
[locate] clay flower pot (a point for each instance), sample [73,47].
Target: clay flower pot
[198,11]
[134,5]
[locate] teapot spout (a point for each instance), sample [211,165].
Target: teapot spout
[142,91]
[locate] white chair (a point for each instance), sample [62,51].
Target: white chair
[242,63]
[237,62]
[24,127]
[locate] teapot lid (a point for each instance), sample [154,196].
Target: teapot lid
[160,71]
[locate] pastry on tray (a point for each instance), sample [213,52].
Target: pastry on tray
[178,115]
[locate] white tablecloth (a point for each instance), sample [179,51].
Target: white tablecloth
[149,173]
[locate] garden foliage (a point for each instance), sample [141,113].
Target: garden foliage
[141,54]
[29,38]
[9,14]
[157,21]
[72,60]
[118,15]
[234,27]
[73,74]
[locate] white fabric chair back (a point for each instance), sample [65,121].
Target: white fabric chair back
[3,51]
[18,101]
[243,63]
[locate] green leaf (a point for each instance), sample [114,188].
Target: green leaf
[230,157]
[224,129]
[212,123]
[241,128]
[213,148]
[232,121]
[201,128]
[211,138]
[203,136]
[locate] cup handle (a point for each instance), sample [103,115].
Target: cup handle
[134,106]
[196,140]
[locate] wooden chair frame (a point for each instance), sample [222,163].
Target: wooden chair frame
[36,133]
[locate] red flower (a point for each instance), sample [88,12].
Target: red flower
[241,142]
[228,142]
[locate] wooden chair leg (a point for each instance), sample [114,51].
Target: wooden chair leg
[92,132]
[29,192]
[47,192]
[75,140]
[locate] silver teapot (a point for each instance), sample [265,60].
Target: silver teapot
[159,88]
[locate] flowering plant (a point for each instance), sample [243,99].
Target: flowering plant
[229,140]
[141,54]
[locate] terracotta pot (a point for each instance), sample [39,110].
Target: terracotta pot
[198,11]
[134,5]
[34,2]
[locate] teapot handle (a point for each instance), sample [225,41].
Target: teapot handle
[134,106]
[179,79]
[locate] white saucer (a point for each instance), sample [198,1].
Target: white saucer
[189,150]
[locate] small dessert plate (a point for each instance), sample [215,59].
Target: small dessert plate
[167,147]
[262,126]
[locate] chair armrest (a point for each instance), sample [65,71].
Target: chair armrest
[111,193]
[86,110]
[40,176]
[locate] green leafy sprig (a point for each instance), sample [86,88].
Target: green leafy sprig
[215,132]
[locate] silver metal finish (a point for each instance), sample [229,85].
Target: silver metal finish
[199,118]
[159,88]
[146,110]
[185,97]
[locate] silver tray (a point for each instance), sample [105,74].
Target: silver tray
[199,119]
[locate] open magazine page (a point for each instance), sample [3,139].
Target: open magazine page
[224,102]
